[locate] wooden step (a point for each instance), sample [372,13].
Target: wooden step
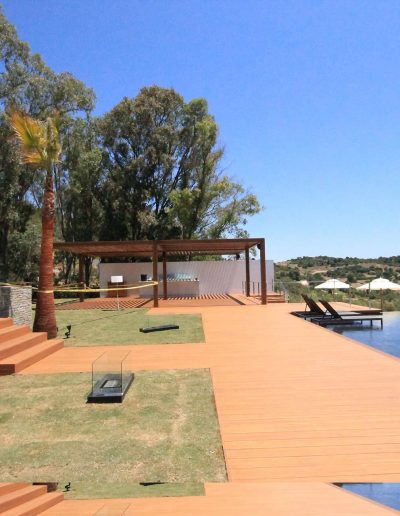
[21,360]
[20,496]
[36,506]
[276,298]
[11,332]
[5,321]
[26,341]
[9,487]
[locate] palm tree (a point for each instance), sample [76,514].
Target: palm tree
[40,148]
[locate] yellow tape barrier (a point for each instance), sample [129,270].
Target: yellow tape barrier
[150,284]
[82,290]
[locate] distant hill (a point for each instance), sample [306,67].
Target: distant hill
[300,275]
[351,270]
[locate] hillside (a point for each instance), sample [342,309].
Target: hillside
[350,270]
[302,274]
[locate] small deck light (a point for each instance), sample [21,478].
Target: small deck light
[68,332]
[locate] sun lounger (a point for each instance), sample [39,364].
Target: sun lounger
[331,310]
[313,309]
[347,318]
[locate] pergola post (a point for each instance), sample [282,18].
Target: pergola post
[263,273]
[81,277]
[164,268]
[247,256]
[155,274]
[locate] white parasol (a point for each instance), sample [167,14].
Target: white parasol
[333,284]
[380,284]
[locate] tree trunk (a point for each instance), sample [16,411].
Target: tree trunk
[45,316]
[88,269]
[3,253]
[69,262]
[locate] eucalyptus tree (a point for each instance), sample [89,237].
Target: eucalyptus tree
[79,184]
[162,171]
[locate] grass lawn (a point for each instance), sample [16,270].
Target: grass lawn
[94,327]
[165,430]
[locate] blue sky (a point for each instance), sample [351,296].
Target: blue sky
[306,95]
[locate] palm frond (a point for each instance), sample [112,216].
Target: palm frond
[34,158]
[29,132]
[38,140]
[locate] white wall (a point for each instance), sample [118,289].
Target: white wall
[215,277]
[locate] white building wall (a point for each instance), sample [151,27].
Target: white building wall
[215,277]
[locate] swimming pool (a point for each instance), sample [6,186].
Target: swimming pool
[386,493]
[386,339]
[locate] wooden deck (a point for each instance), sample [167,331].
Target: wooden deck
[233,499]
[103,303]
[198,301]
[295,402]
[172,302]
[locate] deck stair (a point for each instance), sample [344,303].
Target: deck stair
[276,297]
[20,347]
[23,499]
[272,297]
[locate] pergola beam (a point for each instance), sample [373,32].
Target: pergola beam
[142,248]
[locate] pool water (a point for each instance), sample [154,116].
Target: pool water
[386,339]
[386,493]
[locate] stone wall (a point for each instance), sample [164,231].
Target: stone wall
[16,302]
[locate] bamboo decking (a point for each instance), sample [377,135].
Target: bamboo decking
[295,402]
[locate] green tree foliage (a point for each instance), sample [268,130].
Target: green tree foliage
[27,84]
[79,187]
[15,181]
[24,247]
[161,164]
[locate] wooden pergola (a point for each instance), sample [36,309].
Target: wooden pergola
[156,249]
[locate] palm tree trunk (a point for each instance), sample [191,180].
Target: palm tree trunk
[45,316]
